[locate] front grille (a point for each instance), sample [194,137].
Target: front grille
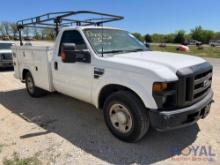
[202,83]
[6,56]
[194,84]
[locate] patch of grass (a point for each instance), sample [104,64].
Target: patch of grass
[207,51]
[1,146]
[16,160]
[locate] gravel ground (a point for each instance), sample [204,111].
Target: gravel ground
[57,129]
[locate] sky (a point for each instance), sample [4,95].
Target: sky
[143,16]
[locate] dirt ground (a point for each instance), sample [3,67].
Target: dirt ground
[61,130]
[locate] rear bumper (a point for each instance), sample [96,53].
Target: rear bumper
[4,64]
[168,120]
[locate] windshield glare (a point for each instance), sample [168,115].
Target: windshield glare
[5,45]
[113,41]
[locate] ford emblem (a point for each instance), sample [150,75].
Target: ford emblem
[206,83]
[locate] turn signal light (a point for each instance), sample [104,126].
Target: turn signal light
[159,87]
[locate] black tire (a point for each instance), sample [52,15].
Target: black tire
[34,91]
[138,113]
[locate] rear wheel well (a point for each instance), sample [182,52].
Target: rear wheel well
[110,89]
[25,71]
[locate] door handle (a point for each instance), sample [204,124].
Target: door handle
[55,65]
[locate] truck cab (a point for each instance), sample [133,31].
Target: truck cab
[109,68]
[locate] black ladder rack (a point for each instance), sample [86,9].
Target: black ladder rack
[56,20]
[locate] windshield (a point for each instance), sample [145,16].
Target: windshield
[113,41]
[5,46]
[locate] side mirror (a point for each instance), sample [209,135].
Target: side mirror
[70,54]
[83,56]
[67,52]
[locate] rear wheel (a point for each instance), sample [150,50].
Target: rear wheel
[126,116]
[32,90]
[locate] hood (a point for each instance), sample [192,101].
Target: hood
[5,51]
[170,60]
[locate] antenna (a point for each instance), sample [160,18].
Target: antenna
[102,37]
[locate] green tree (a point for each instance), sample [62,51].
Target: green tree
[216,36]
[26,31]
[169,38]
[180,37]
[197,33]
[138,36]
[209,35]
[2,31]
[37,35]
[158,38]
[14,29]
[48,34]
[148,38]
[188,37]
[202,35]
[5,27]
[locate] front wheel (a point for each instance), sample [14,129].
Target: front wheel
[32,90]
[126,116]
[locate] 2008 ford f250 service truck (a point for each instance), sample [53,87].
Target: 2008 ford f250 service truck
[109,68]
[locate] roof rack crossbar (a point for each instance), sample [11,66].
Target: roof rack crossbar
[60,16]
[55,20]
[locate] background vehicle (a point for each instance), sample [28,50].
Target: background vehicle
[5,38]
[5,54]
[214,43]
[163,45]
[28,38]
[193,42]
[16,38]
[110,69]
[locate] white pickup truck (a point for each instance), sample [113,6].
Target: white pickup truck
[5,54]
[214,43]
[109,68]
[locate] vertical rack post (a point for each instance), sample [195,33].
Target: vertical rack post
[19,27]
[57,21]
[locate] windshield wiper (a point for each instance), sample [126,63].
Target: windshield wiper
[123,51]
[113,51]
[135,50]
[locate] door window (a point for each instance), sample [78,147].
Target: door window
[73,36]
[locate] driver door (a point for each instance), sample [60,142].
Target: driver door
[73,79]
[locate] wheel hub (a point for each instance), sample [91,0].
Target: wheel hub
[120,118]
[30,84]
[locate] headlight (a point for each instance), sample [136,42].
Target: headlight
[165,94]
